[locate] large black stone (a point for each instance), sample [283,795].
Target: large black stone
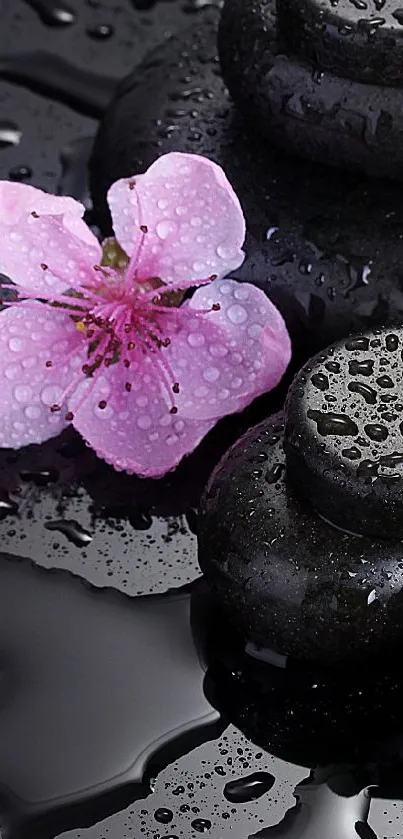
[303,106]
[326,246]
[290,579]
[350,38]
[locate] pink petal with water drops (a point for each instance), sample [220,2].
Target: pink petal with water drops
[224,359]
[31,335]
[55,236]
[195,222]
[135,432]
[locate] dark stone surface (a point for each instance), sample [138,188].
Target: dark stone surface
[325,245]
[315,114]
[291,581]
[344,434]
[356,39]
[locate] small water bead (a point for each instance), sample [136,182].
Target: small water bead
[144,422]
[12,371]
[211,374]
[32,412]
[53,13]
[100,32]
[385,381]
[23,393]
[20,173]
[172,440]
[368,393]
[237,314]
[361,368]
[201,392]
[10,134]
[165,228]
[196,339]
[201,825]
[225,252]
[17,344]
[163,815]
[218,350]
[249,788]
[376,432]
[320,381]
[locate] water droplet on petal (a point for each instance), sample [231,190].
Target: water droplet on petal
[172,439]
[195,339]
[16,344]
[218,350]
[166,228]
[255,330]
[237,314]
[162,204]
[225,251]
[211,374]
[201,392]
[195,221]
[12,371]
[242,292]
[22,393]
[51,394]
[144,422]
[32,412]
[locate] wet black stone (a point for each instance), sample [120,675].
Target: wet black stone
[356,39]
[308,107]
[311,566]
[177,101]
[363,493]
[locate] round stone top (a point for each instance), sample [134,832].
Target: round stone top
[359,39]
[344,434]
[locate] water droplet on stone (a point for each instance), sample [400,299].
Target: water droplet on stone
[100,32]
[333,424]
[20,173]
[10,134]
[201,825]
[53,12]
[163,815]
[249,788]
[74,532]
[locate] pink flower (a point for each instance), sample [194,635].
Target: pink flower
[111,346]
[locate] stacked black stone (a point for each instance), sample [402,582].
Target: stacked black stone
[302,522]
[321,77]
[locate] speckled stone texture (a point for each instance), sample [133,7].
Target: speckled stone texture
[290,579]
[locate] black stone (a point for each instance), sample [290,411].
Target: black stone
[357,39]
[310,564]
[302,107]
[325,245]
[344,447]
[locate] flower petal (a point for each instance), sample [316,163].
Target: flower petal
[55,236]
[30,335]
[224,359]
[135,432]
[195,222]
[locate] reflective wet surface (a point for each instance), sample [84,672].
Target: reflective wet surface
[114,671]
